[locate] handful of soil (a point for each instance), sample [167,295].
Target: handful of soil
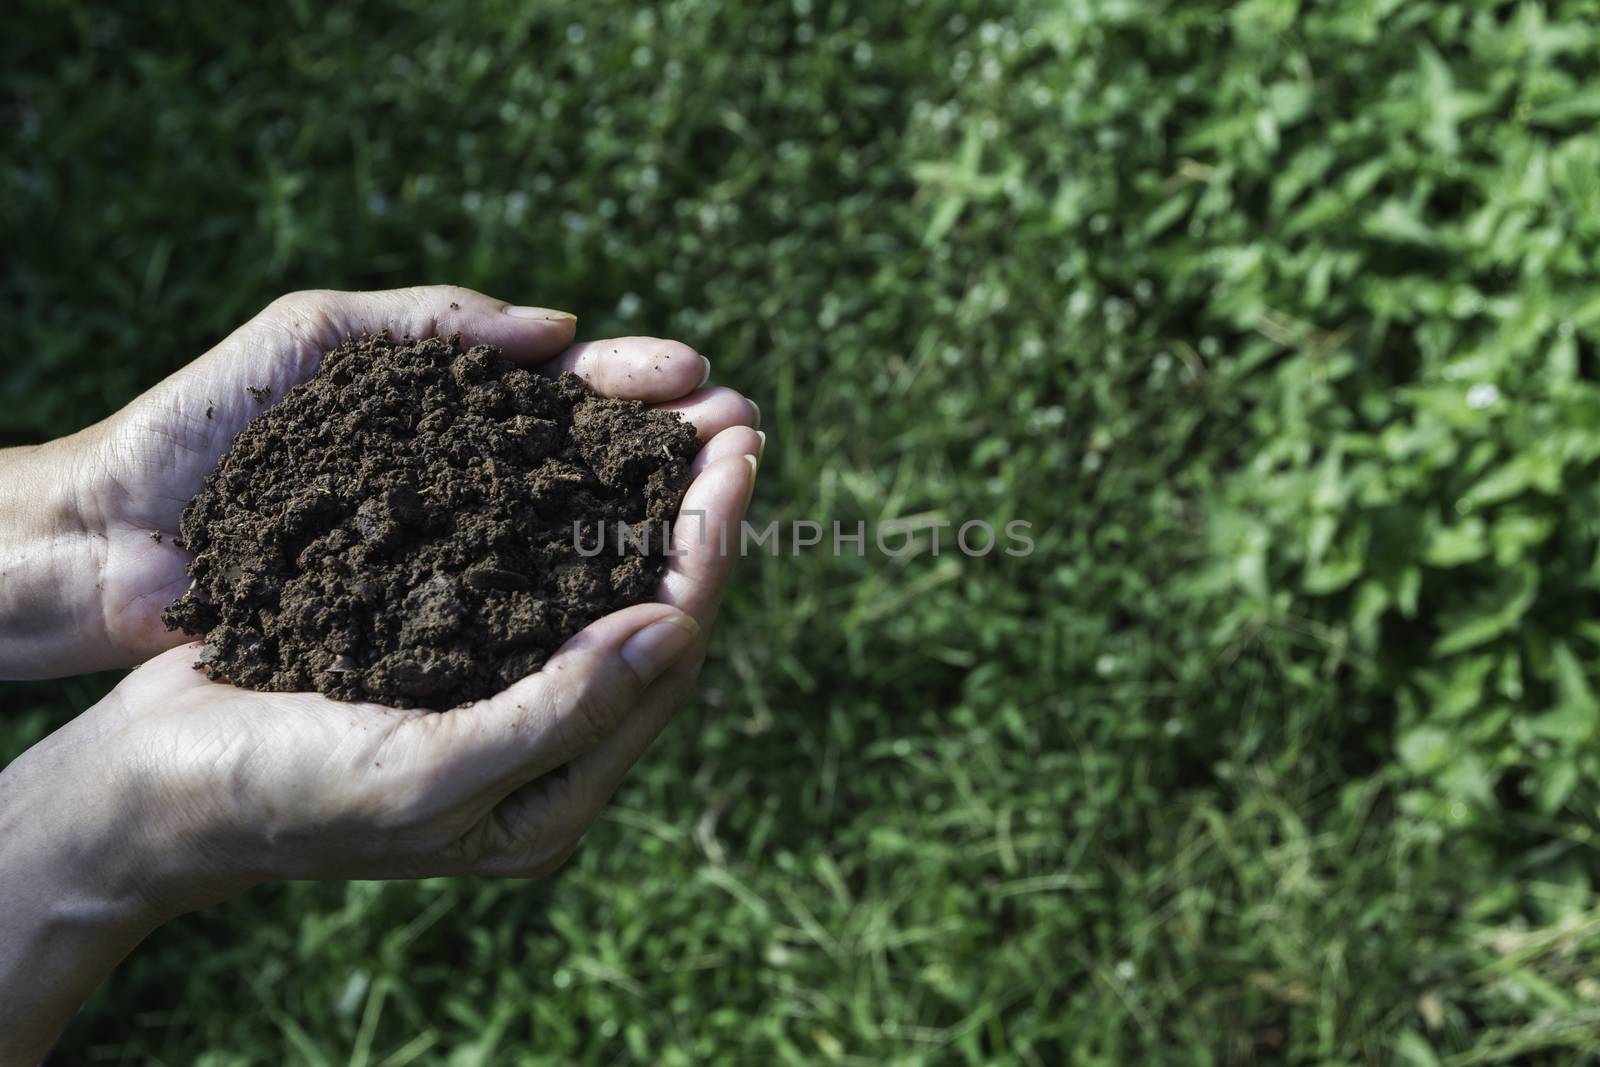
[417,525]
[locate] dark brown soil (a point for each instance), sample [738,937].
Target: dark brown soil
[400,528]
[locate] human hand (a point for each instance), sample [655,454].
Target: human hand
[174,792]
[86,587]
[202,788]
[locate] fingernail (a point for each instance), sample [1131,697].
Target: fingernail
[546,314]
[705,372]
[658,646]
[761,449]
[755,413]
[755,465]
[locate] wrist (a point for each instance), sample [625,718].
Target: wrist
[135,836]
[71,898]
[51,621]
[78,830]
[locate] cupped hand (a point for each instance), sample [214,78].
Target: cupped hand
[202,789]
[228,787]
[141,466]
[174,792]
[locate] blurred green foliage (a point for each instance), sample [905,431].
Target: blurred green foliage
[1275,318]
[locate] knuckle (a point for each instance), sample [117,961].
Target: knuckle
[567,813]
[540,839]
[434,297]
[550,856]
[306,314]
[467,846]
[301,301]
[531,860]
[427,309]
[285,304]
[591,715]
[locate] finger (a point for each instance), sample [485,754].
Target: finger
[577,700]
[541,822]
[544,818]
[525,334]
[705,538]
[734,441]
[635,368]
[714,410]
[281,347]
[595,776]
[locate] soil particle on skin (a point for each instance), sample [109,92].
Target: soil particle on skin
[209,409]
[261,393]
[155,535]
[417,525]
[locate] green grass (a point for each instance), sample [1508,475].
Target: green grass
[1281,747]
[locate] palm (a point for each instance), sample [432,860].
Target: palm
[160,454]
[270,745]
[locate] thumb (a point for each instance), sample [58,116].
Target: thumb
[325,317]
[578,700]
[211,399]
